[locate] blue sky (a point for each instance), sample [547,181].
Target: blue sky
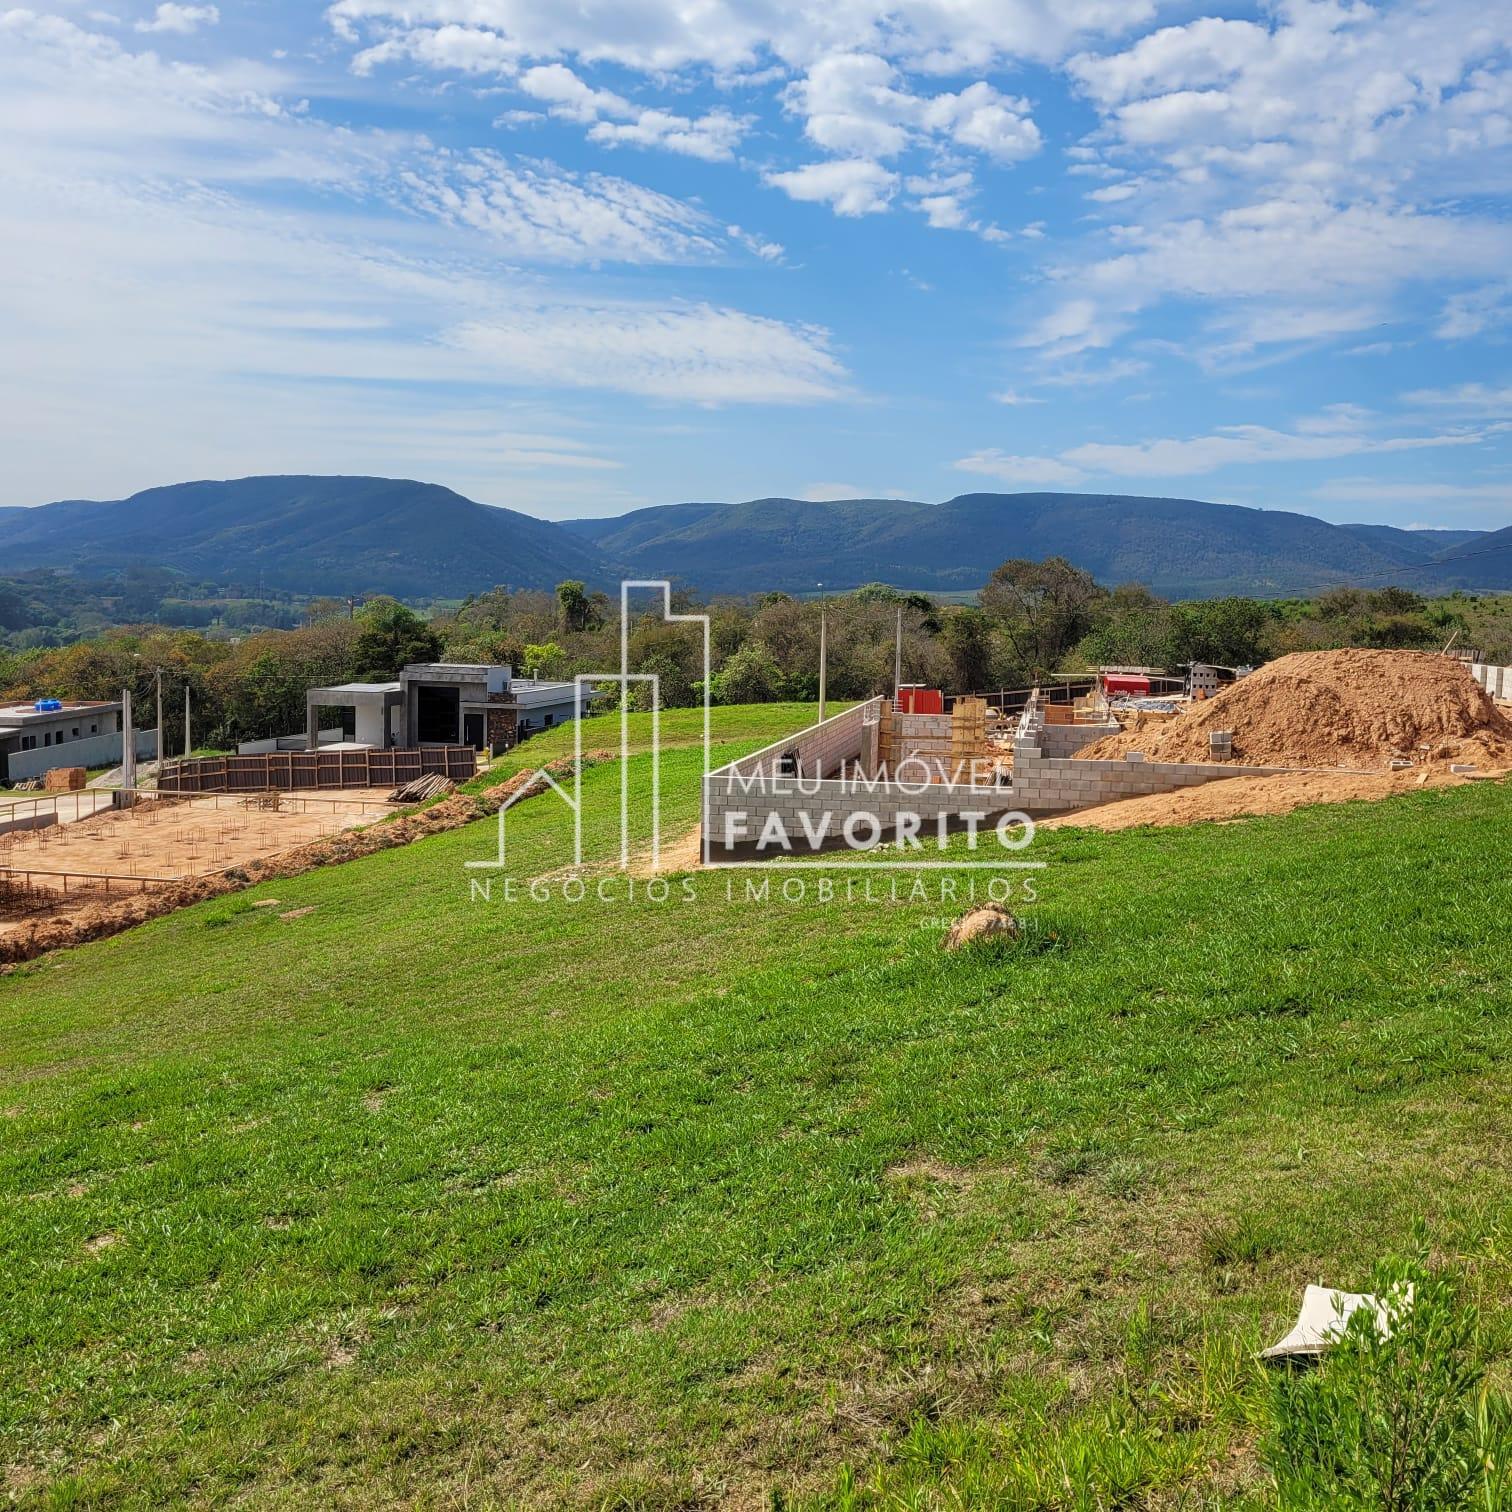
[581,260]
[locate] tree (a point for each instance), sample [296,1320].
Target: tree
[259,688]
[574,607]
[674,687]
[967,639]
[1044,608]
[1132,628]
[390,637]
[541,658]
[751,675]
[1230,632]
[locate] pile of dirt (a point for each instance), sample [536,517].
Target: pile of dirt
[1359,709]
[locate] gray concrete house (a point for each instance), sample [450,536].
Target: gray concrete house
[447,703]
[36,737]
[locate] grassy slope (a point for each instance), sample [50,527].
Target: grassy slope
[421,1197]
[750,725]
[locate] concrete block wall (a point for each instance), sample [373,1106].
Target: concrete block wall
[1497,681]
[736,814]
[1064,740]
[741,798]
[1055,784]
[839,738]
[922,739]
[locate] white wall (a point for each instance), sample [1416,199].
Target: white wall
[91,751]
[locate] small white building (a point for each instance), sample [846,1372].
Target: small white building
[37,736]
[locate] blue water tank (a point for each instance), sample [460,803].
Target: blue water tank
[48,705]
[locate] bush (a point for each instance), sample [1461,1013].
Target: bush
[1398,1420]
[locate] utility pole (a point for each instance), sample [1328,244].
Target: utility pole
[128,743]
[188,747]
[898,660]
[157,750]
[823,653]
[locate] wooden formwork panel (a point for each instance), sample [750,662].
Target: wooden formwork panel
[296,771]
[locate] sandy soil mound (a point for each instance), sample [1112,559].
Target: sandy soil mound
[1337,708]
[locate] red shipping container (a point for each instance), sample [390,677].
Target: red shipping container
[915,699]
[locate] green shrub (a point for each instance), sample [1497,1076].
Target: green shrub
[1397,1419]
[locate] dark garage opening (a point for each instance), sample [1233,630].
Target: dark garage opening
[436,711]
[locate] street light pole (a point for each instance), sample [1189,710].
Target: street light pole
[898,660]
[823,652]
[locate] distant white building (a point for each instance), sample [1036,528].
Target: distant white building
[35,737]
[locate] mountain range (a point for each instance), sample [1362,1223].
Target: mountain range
[343,535]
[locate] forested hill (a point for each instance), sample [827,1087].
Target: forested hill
[1179,547]
[354,535]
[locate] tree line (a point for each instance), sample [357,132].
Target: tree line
[1031,619]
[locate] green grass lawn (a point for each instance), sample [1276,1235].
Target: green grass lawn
[420,1197]
[751,725]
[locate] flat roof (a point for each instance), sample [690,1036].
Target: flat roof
[26,713]
[359,688]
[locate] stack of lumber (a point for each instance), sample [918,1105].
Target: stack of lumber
[432,785]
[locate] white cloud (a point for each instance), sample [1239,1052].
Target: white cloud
[180,18]
[697,353]
[1021,470]
[1301,172]
[157,296]
[850,186]
[467,49]
[1475,311]
[1287,270]
[1241,444]
[1336,419]
[615,121]
[1339,431]
[1012,397]
[834,493]
[1373,491]
[759,246]
[1465,399]
[1205,51]
[1075,326]
[1091,374]
[863,87]
[856,105]
[734,37]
